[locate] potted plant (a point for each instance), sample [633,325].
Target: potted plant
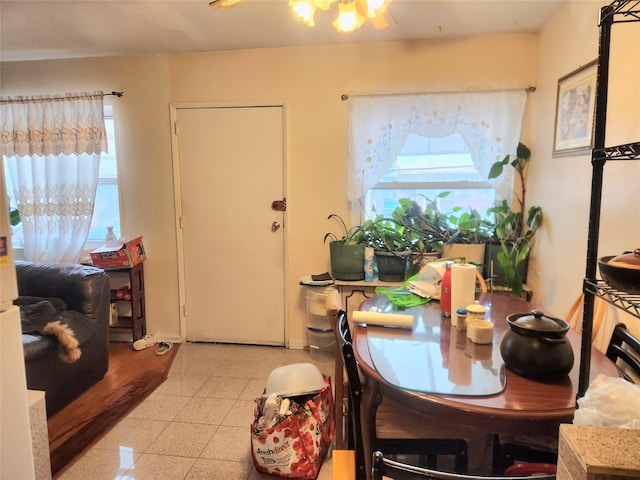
[346,251]
[468,235]
[426,226]
[514,232]
[412,232]
[392,245]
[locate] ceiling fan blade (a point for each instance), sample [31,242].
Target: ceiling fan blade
[224,3]
[381,22]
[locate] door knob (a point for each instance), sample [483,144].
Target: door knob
[275,226]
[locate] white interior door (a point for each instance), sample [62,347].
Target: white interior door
[230,168]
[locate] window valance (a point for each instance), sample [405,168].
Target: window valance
[490,123]
[53,125]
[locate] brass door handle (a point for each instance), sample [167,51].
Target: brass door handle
[275,226]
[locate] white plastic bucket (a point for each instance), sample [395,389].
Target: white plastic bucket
[317,300]
[321,344]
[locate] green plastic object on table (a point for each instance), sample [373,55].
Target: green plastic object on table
[401,297]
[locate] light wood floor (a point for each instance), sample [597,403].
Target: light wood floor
[131,377]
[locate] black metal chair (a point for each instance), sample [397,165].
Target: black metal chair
[624,349]
[510,452]
[388,468]
[414,443]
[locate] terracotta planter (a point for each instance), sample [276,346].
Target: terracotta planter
[419,260]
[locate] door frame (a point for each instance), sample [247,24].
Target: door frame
[177,199]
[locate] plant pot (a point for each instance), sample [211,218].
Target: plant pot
[347,261]
[418,260]
[491,257]
[391,267]
[472,252]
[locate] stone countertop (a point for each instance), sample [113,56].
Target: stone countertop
[604,450]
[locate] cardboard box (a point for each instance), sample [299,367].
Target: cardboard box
[124,255]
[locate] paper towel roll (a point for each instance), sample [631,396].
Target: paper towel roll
[463,287]
[384,319]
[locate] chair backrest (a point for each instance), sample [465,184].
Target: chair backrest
[480,281]
[575,313]
[625,348]
[355,390]
[333,305]
[402,471]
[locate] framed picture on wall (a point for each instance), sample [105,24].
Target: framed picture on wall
[575,107]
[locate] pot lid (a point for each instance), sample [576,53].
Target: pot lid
[476,308]
[538,321]
[627,260]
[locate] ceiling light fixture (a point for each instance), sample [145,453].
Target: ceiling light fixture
[349,18]
[352,14]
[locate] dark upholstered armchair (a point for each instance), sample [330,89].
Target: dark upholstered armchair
[84,307]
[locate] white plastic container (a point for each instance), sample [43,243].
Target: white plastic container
[295,379]
[317,308]
[321,344]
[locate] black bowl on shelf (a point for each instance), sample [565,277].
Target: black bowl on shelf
[620,273]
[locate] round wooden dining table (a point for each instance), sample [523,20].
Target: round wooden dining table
[512,404]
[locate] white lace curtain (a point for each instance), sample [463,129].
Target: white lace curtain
[489,122]
[51,147]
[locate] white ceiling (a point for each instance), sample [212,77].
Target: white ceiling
[31,29]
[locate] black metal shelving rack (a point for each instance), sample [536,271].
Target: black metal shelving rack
[619,11]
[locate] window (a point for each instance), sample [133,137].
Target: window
[107,203]
[427,167]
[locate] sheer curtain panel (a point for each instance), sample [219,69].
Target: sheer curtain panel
[489,122]
[51,148]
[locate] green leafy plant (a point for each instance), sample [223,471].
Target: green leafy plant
[350,236]
[513,230]
[384,234]
[427,228]
[469,226]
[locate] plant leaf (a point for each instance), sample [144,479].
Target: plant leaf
[496,170]
[522,151]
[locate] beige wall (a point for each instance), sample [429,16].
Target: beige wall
[144,156]
[310,81]
[561,185]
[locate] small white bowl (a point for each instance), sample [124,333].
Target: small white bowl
[295,379]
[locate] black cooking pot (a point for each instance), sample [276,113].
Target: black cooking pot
[622,272]
[536,346]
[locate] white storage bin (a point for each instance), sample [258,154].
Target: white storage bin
[317,300]
[317,308]
[319,322]
[321,344]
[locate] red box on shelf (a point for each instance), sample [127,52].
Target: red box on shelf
[124,255]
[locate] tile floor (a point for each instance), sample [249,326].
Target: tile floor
[196,424]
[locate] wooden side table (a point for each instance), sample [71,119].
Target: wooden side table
[134,317]
[353,293]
